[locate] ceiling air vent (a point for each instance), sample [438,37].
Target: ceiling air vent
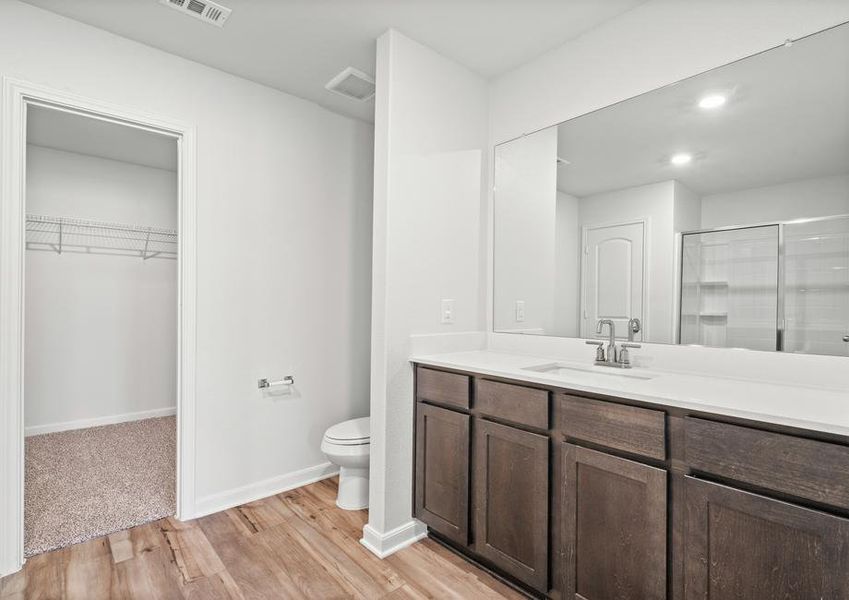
[208,12]
[352,83]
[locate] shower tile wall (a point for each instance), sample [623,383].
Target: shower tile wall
[817,286]
[729,288]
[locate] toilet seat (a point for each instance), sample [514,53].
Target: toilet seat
[355,432]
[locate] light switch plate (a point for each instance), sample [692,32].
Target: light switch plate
[447,311]
[520,311]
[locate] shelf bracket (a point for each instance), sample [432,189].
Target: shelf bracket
[146,243]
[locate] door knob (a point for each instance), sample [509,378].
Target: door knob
[846,338]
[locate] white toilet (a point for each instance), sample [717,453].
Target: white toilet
[347,444]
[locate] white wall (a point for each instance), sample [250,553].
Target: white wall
[687,208]
[567,266]
[820,197]
[101,331]
[430,132]
[524,217]
[284,229]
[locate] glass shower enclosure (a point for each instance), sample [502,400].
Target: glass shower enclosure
[777,286]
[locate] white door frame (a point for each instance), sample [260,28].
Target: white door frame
[17,95]
[645,222]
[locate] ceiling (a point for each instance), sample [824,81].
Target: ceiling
[785,119]
[297,46]
[70,132]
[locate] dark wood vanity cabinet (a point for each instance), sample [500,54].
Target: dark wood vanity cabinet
[511,500]
[743,545]
[614,527]
[442,471]
[579,498]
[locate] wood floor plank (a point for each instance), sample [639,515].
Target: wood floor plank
[312,509]
[257,572]
[146,538]
[219,586]
[257,515]
[121,546]
[148,575]
[45,575]
[191,551]
[501,589]
[297,545]
[406,592]
[350,571]
[310,578]
[88,578]
[419,562]
[14,585]
[333,525]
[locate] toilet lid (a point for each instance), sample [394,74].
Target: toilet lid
[350,432]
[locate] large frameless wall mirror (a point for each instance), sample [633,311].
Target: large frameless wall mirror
[714,211]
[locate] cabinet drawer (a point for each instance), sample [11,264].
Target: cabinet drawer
[514,403]
[441,387]
[804,468]
[632,429]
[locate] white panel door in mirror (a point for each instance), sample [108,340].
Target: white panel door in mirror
[613,276]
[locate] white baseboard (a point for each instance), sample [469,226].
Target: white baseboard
[384,544]
[262,489]
[98,421]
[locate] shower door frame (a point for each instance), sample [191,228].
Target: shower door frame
[780,324]
[17,95]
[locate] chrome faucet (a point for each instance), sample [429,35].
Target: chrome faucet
[612,351]
[615,356]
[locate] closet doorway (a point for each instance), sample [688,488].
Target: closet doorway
[97,298]
[100,328]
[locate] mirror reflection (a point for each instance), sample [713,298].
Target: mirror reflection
[714,211]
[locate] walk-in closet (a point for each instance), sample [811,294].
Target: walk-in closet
[100,386]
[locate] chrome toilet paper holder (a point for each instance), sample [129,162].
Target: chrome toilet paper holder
[264,383]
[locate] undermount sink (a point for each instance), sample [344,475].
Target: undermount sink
[565,371]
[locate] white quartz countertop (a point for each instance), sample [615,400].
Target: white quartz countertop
[810,408]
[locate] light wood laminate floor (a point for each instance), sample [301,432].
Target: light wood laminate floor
[294,545]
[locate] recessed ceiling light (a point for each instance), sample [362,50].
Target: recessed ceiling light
[682,158]
[712,101]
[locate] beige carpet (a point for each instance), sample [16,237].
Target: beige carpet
[86,483]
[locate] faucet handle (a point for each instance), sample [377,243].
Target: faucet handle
[635,326]
[599,353]
[624,356]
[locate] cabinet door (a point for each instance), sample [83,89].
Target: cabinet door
[442,471]
[511,507]
[742,545]
[614,527]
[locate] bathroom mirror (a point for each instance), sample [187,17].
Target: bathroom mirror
[714,211]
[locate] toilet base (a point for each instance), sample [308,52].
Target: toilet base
[353,489]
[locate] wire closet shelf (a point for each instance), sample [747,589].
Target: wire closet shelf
[82,236]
